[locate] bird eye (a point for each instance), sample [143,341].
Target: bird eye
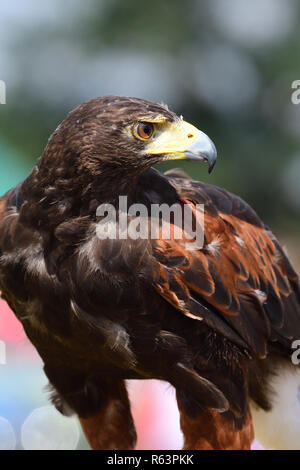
[144,130]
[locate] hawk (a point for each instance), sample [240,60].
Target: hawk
[217,321]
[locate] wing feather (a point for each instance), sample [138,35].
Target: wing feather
[240,283]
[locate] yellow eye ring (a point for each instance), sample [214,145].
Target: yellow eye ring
[144,130]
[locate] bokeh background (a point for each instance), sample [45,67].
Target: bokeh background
[226,66]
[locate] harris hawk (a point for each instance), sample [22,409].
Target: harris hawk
[217,322]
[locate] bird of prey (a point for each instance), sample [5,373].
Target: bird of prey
[216,321]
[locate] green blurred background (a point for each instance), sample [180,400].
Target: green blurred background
[226,65]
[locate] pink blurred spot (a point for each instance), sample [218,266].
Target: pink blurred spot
[11,329]
[155,414]
[257,446]
[12,333]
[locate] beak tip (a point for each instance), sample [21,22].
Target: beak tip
[210,168]
[212,160]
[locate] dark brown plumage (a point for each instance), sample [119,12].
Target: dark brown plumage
[209,321]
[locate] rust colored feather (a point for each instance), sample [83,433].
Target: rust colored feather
[211,430]
[111,428]
[238,273]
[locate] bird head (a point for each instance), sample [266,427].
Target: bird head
[128,133]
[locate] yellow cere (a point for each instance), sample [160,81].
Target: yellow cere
[172,138]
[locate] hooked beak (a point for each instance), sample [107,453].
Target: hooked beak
[202,148]
[183,141]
